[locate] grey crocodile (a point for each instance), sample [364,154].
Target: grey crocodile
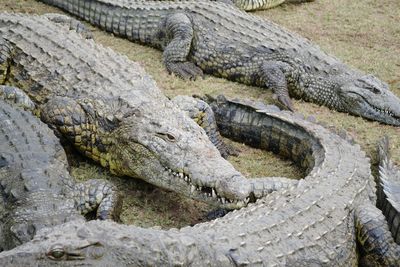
[320,222]
[222,40]
[36,190]
[114,113]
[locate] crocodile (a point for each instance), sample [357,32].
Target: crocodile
[219,39]
[322,221]
[114,113]
[36,189]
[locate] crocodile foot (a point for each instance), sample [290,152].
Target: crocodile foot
[286,102]
[185,70]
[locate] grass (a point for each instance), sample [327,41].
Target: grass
[364,34]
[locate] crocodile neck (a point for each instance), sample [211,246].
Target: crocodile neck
[316,89]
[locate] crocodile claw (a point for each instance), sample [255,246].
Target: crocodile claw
[185,70]
[286,102]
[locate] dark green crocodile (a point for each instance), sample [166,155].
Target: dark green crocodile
[219,39]
[36,190]
[114,113]
[320,222]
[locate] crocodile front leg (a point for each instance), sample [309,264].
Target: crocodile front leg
[100,196]
[273,75]
[203,115]
[179,29]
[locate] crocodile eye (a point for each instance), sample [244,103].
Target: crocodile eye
[167,136]
[57,252]
[376,90]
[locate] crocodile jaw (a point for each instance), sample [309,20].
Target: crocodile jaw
[370,98]
[171,151]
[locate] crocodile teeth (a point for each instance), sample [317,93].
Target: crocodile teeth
[186,179]
[192,188]
[214,195]
[181,175]
[247,200]
[223,200]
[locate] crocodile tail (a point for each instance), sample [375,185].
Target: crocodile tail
[377,247]
[388,189]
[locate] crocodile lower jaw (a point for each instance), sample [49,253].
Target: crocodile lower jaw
[209,193]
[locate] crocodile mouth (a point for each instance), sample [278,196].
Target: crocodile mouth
[383,111]
[207,192]
[377,110]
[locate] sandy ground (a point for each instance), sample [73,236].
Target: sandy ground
[364,34]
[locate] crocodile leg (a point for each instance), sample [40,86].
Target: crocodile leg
[377,247]
[273,75]
[71,23]
[100,196]
[203,115]
[179,27]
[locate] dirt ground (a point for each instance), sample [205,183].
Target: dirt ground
[364,34]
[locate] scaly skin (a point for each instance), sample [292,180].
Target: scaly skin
[219,39]
[36,189]
[312,224]
[114,113]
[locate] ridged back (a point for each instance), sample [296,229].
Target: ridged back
[34,180]
[389,189]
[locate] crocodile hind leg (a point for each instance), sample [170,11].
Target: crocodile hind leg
[71,23]
[203,115]
[99,196]
[273,75]
[376,245]
[179,27]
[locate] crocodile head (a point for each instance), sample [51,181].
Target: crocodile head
[105,243]
[56,247]
[168,149]
[370,98]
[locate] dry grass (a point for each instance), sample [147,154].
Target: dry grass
[363,33]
